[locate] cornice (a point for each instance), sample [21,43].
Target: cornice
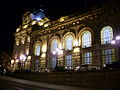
[76,20]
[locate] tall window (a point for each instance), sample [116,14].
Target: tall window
[54,46]
[37,49]
[37,65]
[108,56]
[87,58]
[86,39]
[69,42]
[68,61]
[54,62]
[106,35]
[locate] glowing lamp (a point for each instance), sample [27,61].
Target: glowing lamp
[22,57]
[60,52]
[113,42]
[117,37]
[54,52]
[38,18]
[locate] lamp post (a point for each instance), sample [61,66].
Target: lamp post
[116,41]
[57,52]
[23,58]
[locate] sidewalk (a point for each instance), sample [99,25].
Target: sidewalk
[46,85]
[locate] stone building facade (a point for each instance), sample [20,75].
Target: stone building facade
[69,41]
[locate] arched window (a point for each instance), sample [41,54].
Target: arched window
[37,49]
[86,39]
[69,42]
[106,35]
[54,45]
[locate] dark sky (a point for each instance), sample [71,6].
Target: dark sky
[11,12]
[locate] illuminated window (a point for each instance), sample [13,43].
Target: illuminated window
[69,61]
[23,40]
[37,49]
[54,62]
[54,45]
[69,42]
[108,56]
[86,39]
[87,58]
[106,35]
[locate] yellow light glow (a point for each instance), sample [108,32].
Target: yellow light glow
[17,42]
[18,29]
[40,23]
[25,26]
[46,19]
[46,25]
[12,61]
[62,19]
[60,45]
[28,38]
[75,43]
[44,48]
[43,55]
[29,58]
[16,61]
[15,56]
[34,22]
[60,52]
[27,51]
[23,40]
[76,49]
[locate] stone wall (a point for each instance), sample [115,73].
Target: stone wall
[106,79]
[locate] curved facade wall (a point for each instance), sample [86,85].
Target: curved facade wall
[69,41]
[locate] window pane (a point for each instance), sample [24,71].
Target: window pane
[68,42]
[54,45]
[37,65]
[108,56]
[87,58]
[86,39]
[69,61]
[37,49]
[54,62]
[106,35]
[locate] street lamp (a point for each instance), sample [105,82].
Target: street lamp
[116,41]
[57,52]
[23,58]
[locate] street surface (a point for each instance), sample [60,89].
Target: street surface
[7,85]
[10,83]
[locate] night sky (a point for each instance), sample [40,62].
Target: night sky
[11,12]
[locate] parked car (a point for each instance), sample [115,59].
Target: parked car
[86,67]
[59,69]
[112,66]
